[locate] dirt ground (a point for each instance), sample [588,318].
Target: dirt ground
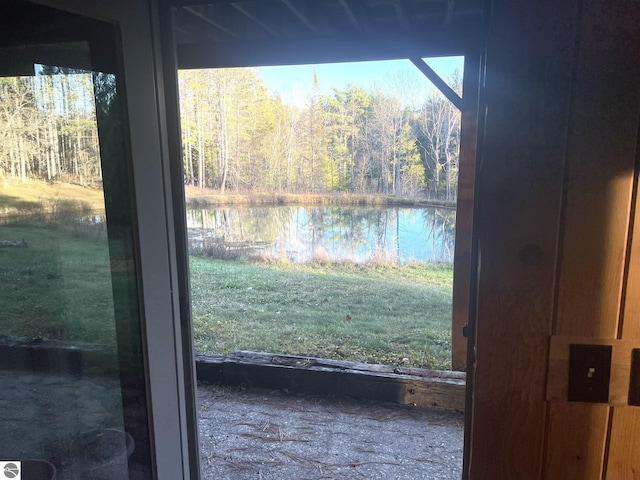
[267,435]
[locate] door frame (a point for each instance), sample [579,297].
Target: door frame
[169,361]
[466,257]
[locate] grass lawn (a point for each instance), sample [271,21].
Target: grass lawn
[59,287]
[376,313]
[34,196]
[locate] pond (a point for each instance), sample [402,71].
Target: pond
[302,234]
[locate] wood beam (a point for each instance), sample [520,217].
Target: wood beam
[425,388]
[209,21]
[465,258]
[517,222]
[440,84]
[193,3]
[299,15]
[247,13]
[338,48]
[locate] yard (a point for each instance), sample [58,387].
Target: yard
[59,287]
[369,313]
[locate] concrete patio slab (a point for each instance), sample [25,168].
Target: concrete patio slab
[274,435]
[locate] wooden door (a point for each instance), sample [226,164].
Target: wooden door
[559,240]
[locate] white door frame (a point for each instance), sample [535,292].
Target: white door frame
[169,362]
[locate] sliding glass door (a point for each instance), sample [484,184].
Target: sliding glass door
[87,350]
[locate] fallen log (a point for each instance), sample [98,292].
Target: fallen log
[11,243]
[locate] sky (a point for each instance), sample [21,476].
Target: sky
[294,83]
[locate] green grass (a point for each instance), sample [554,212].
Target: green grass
[375,313]
[59,286]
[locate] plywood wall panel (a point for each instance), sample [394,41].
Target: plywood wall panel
[599,186]
[589,120]
[631,319]
[624,448]
[579,457]
[528,101]
[600,167]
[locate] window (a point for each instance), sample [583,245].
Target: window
[74,397]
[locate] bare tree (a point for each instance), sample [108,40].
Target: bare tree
[439,134]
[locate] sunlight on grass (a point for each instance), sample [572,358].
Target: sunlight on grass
[377,314]
[17,197]
[59,288]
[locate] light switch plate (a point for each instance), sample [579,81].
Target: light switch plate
[589,373]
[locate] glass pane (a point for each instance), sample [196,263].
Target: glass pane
[72,381]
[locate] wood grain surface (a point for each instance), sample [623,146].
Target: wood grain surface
[581,191]
[528,85]
[464,212]
[580,453]
[601,150]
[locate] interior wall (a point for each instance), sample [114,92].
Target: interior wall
[558,255]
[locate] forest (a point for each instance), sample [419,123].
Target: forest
[48,128]
[238,137]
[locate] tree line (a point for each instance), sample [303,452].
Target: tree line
[238,137]
[48,128]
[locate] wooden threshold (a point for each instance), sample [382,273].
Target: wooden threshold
[317,376]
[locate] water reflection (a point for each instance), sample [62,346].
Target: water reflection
[324,233]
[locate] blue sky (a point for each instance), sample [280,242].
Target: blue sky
[294,83]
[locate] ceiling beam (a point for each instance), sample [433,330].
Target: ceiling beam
[450,9]
[192,3]
[210,21]
[350,15]
[247,13]
[337,48]
[402,19]
[355,16]
[302,17]
[195,26]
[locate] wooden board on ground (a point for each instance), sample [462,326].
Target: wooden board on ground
[405,386]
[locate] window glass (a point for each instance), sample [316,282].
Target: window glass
[72,382]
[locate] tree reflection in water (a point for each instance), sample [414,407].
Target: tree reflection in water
[305,234]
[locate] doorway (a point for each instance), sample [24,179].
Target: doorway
[212,234]
[234,35]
